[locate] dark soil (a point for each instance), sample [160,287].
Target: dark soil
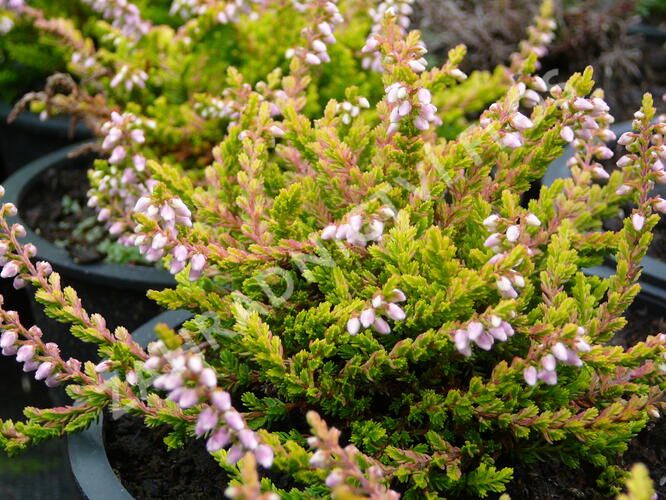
[140,458]
[44,211]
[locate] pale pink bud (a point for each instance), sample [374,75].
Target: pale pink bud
[530,374]
[625,161]
[513,233]
[10,270]
[310,58]
[195,364]
[8,339]
[638,221]
[208,377]
[104,214]
[485,341]
[521,122]
[276,131]
[626,138]
[404,108]
[218,440]
[103,367]
[660,204]
[198,262]
[421,123]
[424,96]
[188,398]
[207,421]
[512,140]
[318,459]
[45,370]
[491,221]
[548,362]
[248,439]
[221,400]
[560,351]
[581,104]
[234,420]
[398,296]
[548,376]
[623,190]
[137,136]
[25,353]
[567,134]
[117,155]
[533,220]
[334,479]
[381,326]
[353,326]
[264,455]
[377,301]
[367,317]
[329,232]
[370,45]
[600,173]
[416,66]
[395,312]
[52,381]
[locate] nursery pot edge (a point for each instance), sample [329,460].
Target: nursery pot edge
[87,454]
[114,275]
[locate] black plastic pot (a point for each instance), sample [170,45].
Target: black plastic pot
[29,138]
[117,292]
[653,279]
[87,455]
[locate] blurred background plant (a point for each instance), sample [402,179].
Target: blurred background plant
[600,33]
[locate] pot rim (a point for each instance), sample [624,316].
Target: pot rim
[653,279]
[87,454]
[108,274]
[57,126]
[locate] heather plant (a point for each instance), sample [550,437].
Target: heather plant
[376,314]
[157,92]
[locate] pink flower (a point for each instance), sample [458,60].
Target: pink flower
[512,140]
[581,104]
[45,369]
[395,312]
[8,339]
[493,240]
[207,421]
[381,326]
[208,377]
[398,296]
[367,317]
[221,400]
[521,122]
[25,353]
[513,233]
[530,374]
[218,440]
[10,270]
[329,232]
[264,455]
[353,326]
[638,221]
[234,420]
[334,478]
[248,439]
[235,454]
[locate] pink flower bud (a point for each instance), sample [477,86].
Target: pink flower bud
[188,398]
[218,440]
[234,420]
[52,381]
[395,312]
[626,138]
[8,339]
[334,479]
[638,221]
[493,240]
[370,45]
[600,173]
[44,268]
[623,190]
[381,326]
[103,367]
[45,369]
[548,362]
[10,270]
[318,459]
[581,104]
[367,317]
[353,326]
[530,374]
[117,155]
[512,140]
[548,376]
[310,58]
[491,221]
[264,455]
[25,353]
[513,233]
[416,66]
[533,220]
[276,131]
[520,122]
[329,232]
[485,341]
[474,330]
[207,421]
[208,377]
[424,96]
[137,136]
[30,366]
[560,351]
[421,123]
[625,161]
[248,439]
[221,400]
[398,296]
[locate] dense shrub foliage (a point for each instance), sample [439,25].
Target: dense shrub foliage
[376,312]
